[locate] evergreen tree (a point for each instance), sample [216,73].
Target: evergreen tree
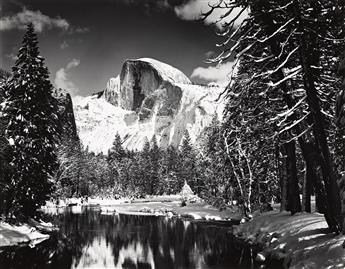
[115,155]
[293,47]
[169,171]
[31,111]
[212,165]
[135,176]
[155,156]
[117,151]
[145,169]
[188,164]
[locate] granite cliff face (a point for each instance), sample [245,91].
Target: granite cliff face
[66,113]
[148,98]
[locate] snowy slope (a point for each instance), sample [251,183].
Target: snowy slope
[161,106]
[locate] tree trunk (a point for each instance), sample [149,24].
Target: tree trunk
[334,218]
[284,190]
[340,120]
[320,195]
[307,181]
[333,215]
[294,202]
[287,97]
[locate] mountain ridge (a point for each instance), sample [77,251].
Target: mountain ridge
[148,98]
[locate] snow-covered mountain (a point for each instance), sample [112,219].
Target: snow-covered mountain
[148,98]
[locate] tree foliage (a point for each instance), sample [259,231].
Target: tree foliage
[291,49]
[31,113]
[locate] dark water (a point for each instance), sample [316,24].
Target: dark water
[93,240]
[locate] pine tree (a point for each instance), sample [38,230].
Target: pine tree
[188,164]
[117,151]
[31,111]
[169,171]
[291,47]
[145,169]
[155,157]
[212,166]
[72,168]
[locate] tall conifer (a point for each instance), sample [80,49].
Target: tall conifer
[31,111]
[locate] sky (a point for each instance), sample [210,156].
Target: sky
[85,42]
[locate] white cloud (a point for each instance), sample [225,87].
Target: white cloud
[62,78]
[64,45]
[39,20]
[73,63]
[80,30]
[193,9]
[219,74]
[12,56]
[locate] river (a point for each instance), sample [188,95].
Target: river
[94,240]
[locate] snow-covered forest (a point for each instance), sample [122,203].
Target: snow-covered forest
[278,139]
[281,139]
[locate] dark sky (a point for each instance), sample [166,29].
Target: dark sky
[87,41]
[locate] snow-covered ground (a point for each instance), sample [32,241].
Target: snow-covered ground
[301,240]
[17,235]
[195,211]
[167,205]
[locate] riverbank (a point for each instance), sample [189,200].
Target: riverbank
[31,233]
[195,211]
[299,241]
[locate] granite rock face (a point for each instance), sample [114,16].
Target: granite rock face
[112,91]
[66,113]
[148,98]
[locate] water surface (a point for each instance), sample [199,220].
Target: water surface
[93,240]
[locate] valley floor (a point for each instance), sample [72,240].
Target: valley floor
[193,211]
[299,241]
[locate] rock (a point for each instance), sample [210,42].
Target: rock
[169,214]
[273,240]
[144,209]
[275,235]
[260,257]
[112,91]
[66,113]
[280,259]
[194,216]
[207,217]
[148,98]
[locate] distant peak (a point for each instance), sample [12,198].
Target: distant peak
[166,71]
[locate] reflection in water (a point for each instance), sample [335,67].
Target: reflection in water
[96,255]
[135,254]
[92,240]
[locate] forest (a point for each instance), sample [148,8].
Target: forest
[281,138]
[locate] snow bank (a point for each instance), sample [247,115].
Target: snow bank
[11,235]
[300,241]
